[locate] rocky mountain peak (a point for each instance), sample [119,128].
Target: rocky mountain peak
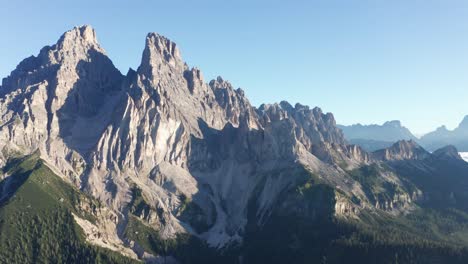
[160,52]
[83,34]
[286,106]
[442,128]
[75,46]
[234,102]
[163,45]
[220,83]
[464,123]
[402,150]
[272,112]
[442,137]
[447,152]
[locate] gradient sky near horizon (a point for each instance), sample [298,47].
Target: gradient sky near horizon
[364,61]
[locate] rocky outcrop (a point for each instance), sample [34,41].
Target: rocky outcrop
[398,203]
[103,230]
[346,209]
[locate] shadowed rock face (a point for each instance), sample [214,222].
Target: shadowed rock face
[447,152]
[402,150]
[198,154]
[55,102]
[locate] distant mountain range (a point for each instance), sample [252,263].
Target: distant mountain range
[442,137]
[374,137]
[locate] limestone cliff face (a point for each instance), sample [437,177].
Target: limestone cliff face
[164,131]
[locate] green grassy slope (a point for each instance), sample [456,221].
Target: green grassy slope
[302,229]
[36,224]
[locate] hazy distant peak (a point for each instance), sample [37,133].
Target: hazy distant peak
[393,123]
[464,123]
[442,128]
[389,131]
[443,136]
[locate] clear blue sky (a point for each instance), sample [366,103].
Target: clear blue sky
[364,61]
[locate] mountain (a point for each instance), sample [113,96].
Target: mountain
[442,136]
[159,165]
[374,137]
